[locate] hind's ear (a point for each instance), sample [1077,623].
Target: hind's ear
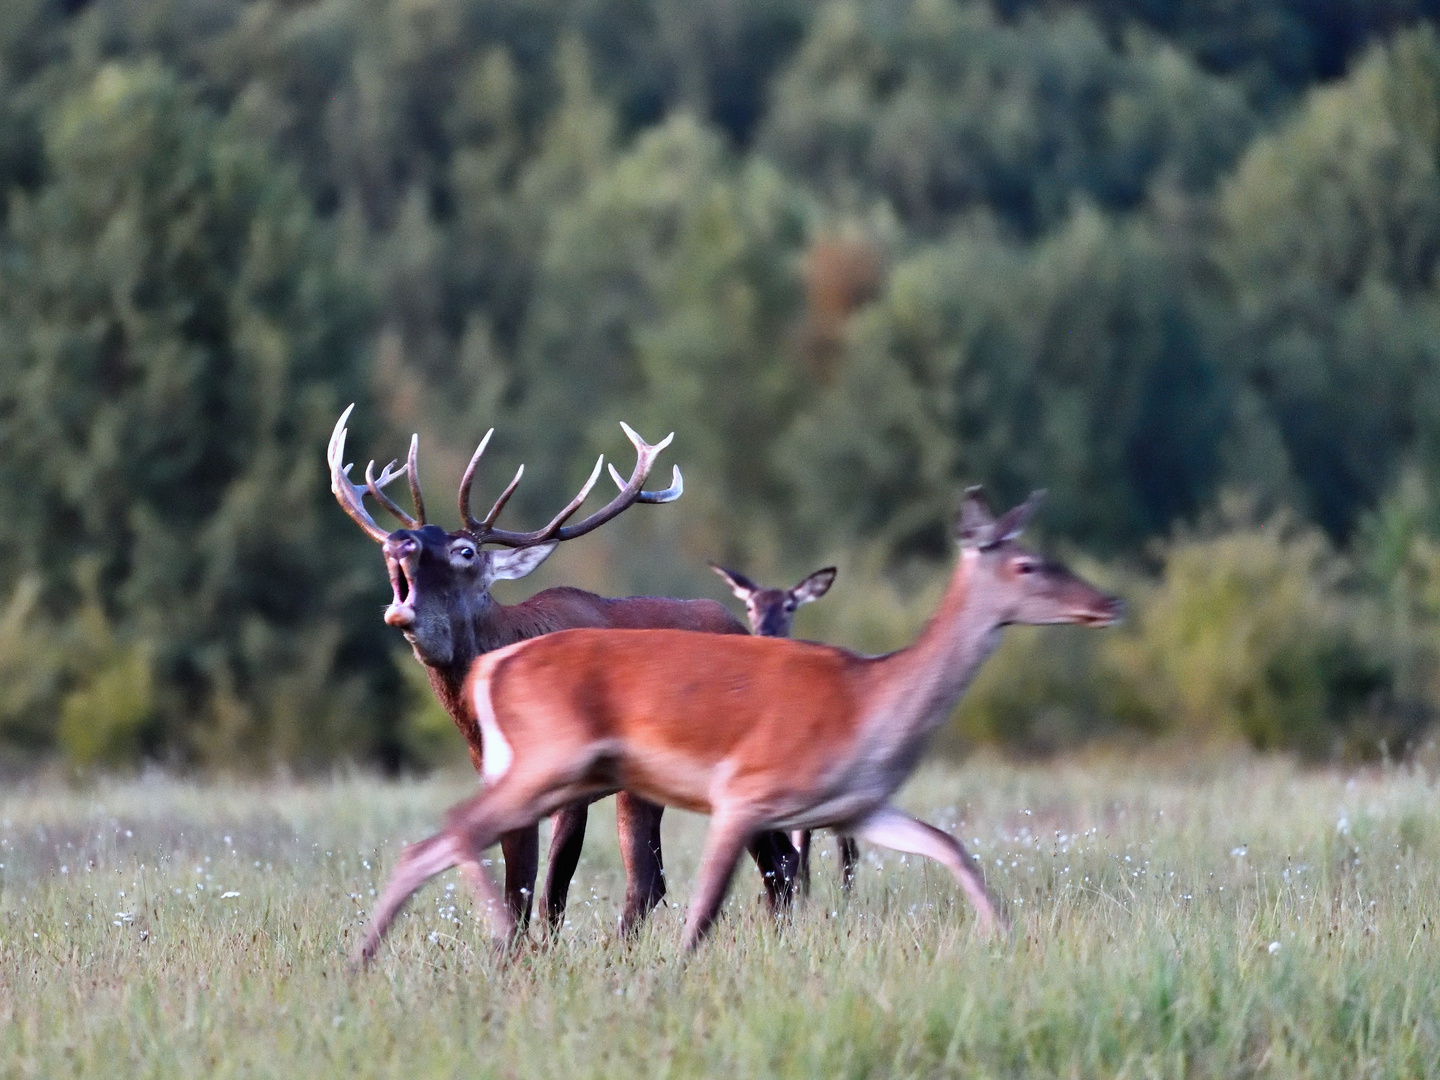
[975,524]
[1012,523]
[507,565]
[739,584]
[814,586]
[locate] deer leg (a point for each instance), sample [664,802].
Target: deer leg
[778,862]
[801,839]
[728,836]
[898,831]
[418,863]
[849,860]
[522,863]
[638,822]
[421,861]
[507,811]
[567,837]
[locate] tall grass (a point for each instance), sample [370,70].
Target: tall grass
[1230,918]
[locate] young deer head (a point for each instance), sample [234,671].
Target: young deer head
[772,611]
[762,733]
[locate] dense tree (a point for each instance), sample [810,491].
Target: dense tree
[175,346]
[855,255]
[1074,364]
[1329,245]
[946,108]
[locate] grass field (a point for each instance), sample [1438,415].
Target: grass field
[1242,918]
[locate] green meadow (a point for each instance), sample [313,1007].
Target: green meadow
[1223,917]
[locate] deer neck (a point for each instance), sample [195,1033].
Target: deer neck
[915,688]
[449,684]
[482,625]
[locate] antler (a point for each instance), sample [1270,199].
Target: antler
[352,496]
[630,492]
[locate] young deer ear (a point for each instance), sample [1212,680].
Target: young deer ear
[510,564]
[1012,523]
[974,526]
[814,586]
[739,584]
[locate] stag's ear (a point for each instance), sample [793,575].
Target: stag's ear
[1012,523]
[739,584]
[507,564]
[974,526]
[814,586]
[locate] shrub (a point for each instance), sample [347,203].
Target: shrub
[1253,634]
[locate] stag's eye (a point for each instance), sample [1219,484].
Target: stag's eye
[465,552]
[789,605]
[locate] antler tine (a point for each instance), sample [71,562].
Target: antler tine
[670,494]
[549,532]
[465,515]
[630,492]
[376,486]
[351,497]
[504,498]
[412,467]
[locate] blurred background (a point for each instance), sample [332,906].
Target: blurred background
[1175,262]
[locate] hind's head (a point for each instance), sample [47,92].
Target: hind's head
[1025,586]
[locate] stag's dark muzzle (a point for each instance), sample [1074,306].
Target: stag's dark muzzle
[402,552]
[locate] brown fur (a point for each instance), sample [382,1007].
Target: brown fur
[622,686]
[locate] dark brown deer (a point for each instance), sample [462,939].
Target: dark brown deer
[760,733]
[772,614]
[442,603]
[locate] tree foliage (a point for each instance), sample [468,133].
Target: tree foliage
[855,255]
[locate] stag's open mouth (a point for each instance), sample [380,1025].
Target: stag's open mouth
[401,611]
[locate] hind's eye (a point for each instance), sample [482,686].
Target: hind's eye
[1026,566]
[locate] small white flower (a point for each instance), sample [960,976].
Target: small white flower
[1273,948]
[228,895]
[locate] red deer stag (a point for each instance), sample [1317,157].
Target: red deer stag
[442,603]
[772,614]
[760,733]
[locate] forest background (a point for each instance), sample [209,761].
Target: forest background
[1175,262]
